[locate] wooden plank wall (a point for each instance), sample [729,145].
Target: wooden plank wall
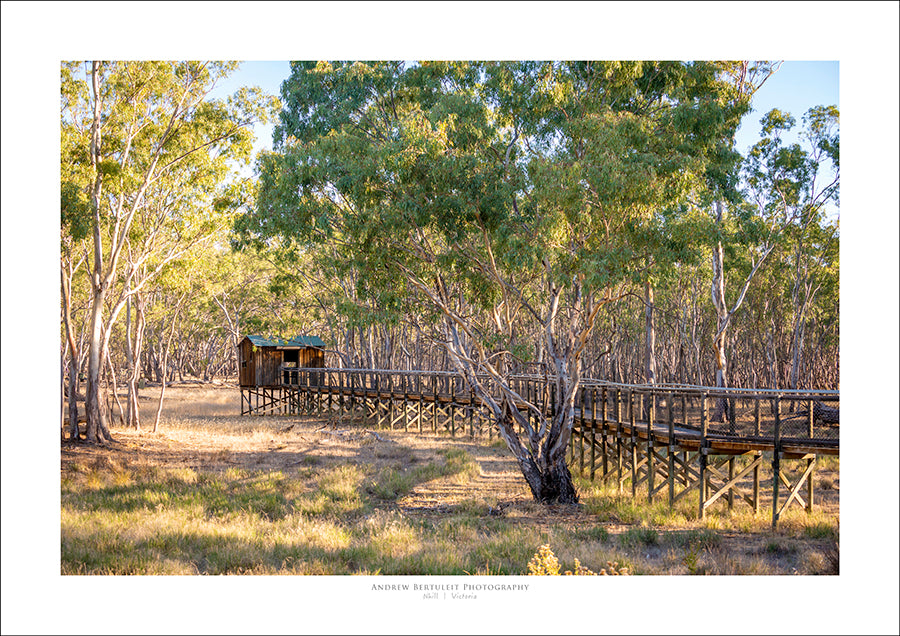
[267,361]
[246,364]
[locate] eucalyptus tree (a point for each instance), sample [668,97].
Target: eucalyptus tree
[783,196]
[500,202]
[798,186]
[143,136]
[75,227]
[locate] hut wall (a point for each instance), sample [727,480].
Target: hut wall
[247,370]
[312,358]
[267,362]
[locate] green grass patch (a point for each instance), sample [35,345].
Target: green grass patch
[780,547]
[702,537]
[821,531]
[392,482]
[597,533]
[639,537]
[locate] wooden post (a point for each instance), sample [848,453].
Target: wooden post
[330,397]
[756,456]
[776,463]
[472,413]
[810,467]
[619,439]
[532,393]
[634,443]
[811,419]
[434,393]
[317,399]
[390,407]
[421,400]
[377,382]
[341,396]
[451,408]
[756,427]
[373,399]
[604,431]
[703,455]
[571,459]
[651,464]
[593,429]
[730,477]
[670,456]
[405,402]
[351,385]
[756,432]
[572,436]
[581,430]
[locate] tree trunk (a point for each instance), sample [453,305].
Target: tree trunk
[115,387]
[66,276]
[97,431]
[63,363]
[94,410]
[553,485]
[134,411]
[73,400]
[722,320]
[165,357]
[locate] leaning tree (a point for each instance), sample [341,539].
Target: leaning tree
[499,202]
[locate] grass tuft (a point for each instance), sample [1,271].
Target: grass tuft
[639,536]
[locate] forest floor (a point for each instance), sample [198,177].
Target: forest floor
[214,492]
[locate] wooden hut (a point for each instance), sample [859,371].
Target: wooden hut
[264,360]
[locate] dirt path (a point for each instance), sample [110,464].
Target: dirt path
[498,485]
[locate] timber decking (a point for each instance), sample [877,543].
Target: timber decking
[635,433]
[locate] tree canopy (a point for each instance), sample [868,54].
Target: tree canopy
[509,202]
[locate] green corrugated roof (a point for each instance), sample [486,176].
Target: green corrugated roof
[296,341]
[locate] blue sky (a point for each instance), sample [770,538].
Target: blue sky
[796,87]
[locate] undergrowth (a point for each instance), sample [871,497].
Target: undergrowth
[328,514]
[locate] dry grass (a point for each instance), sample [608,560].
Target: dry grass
[216,493]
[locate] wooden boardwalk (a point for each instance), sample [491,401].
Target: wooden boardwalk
[656,440]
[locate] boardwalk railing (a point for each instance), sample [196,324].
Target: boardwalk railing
[666,440]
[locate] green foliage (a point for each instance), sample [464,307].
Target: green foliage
[486,182]
[75,211]
[166,151]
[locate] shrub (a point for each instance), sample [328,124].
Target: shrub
[545,563]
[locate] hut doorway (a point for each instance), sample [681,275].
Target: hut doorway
[291,357]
